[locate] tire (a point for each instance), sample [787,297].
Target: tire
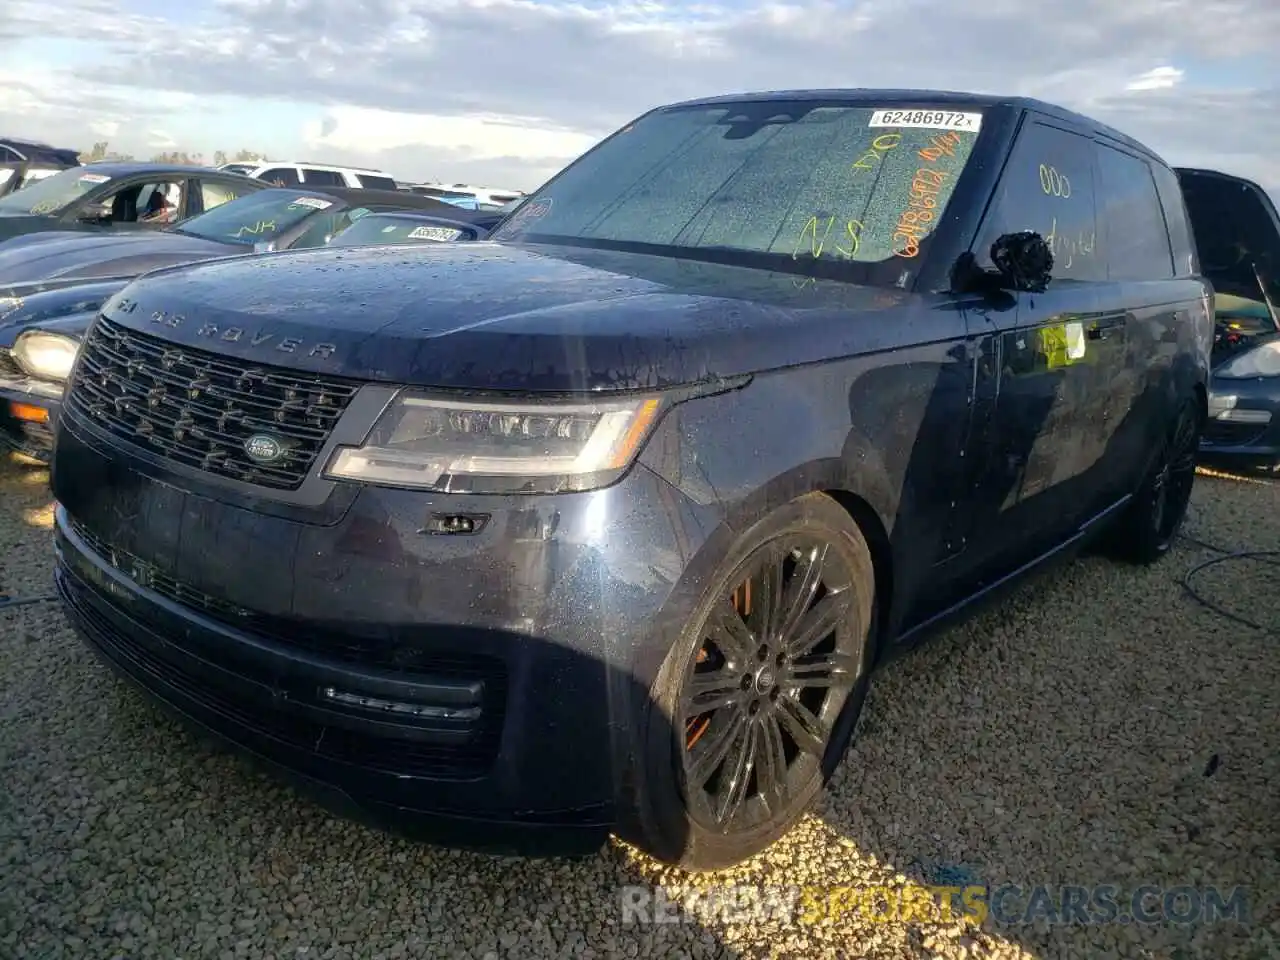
[1150,523]
[691,812]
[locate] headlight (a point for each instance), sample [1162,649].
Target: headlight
[49,356]
[1261,361]
[481,447]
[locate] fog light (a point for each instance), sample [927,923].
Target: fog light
[1239,415]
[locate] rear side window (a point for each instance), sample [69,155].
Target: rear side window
[1137,238]
[1048,188]
[323,178]
[1176,215]
[371,182]
[214,194]
[322,229]
[281,176]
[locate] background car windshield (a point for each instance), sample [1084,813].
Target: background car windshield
[258,217]
[376,228]
[792,179]
[52,194]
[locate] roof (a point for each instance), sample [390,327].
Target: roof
[355,196]
[38,152]
[311,163]
[942,97]
[124,168]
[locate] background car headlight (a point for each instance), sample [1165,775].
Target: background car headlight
[1261,361]
[49,356]
[483,447]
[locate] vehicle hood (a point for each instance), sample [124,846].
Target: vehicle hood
[67,254]
[16,224]
[514,317]
[1237,235]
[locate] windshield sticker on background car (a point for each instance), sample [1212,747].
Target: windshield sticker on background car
[359,212]
[928,120]
[315,203]
[434,233]
[94,178]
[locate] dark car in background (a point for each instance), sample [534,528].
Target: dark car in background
[52,285]
[266,220]
[402,226]
[603,524]
[18,150]
[118,196]
[1237,233]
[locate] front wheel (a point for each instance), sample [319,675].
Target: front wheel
[1150,524]
[755,702]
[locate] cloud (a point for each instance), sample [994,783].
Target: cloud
[516,88]
[1161,78]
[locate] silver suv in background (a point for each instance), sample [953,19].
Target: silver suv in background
[290,173]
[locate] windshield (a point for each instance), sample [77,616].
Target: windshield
[258,217]
[793,180]
[381,228]
[53,194]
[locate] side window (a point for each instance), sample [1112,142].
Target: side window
[216,194]
[1048,188]
[159,203]
[321,230]
[155,204]
[1178,217]
[322,178]
[8,156]
[1137,238]
[281,176]
[371,182]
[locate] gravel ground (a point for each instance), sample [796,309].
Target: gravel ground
[1100,728]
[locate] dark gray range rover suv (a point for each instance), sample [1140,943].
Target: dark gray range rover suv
[604,524]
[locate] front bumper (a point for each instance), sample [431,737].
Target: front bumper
[529,643]
[19,398]
[1244,422]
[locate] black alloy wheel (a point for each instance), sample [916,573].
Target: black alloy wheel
[761,684]
[1147,529]
[1175,476]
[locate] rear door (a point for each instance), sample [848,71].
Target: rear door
[1139,291]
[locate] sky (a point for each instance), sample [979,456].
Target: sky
[503,93]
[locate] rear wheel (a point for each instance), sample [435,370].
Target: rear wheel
[1151,522]
[761,690]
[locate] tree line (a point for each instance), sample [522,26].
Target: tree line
[102,151]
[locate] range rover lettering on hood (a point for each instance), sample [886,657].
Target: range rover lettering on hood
[259,338]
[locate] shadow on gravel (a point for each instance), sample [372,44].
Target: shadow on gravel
[1099,729]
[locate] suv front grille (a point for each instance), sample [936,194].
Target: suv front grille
[199,408]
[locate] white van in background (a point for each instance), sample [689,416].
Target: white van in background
[291,173]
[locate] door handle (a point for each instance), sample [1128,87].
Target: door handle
[1103,328]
